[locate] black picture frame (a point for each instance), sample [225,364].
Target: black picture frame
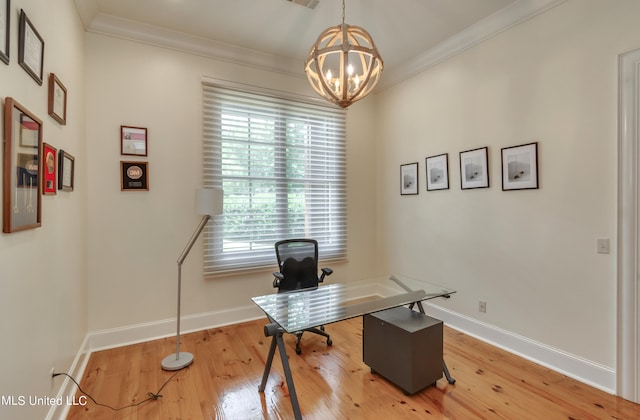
[30,48]
[520,167]
[66,171]
[437,171]
[409,179]
[134,176]
[474,168]
[5,32]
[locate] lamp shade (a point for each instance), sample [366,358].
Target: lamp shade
[209,201]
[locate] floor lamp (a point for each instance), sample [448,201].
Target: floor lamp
[208,203]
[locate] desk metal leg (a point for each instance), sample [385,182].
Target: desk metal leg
[272,330]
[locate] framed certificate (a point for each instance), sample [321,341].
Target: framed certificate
[66,169]
[57,99]
[133,141]
[30,48]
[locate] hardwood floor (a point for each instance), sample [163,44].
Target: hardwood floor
[331,382]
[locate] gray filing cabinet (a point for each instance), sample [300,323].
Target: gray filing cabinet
[404,346]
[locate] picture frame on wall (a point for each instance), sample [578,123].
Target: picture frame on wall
[30,48]
[5,33]
[133,141]
[409,179]
[21,199]
[49,166]
[66,171]
[134,176]
[437,169]
[520,167]
[474,168]
[57,99]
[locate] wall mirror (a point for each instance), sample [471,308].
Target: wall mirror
[22,147]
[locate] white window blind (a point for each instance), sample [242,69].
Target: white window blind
[282,166]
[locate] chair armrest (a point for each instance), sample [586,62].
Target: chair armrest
[277,278]
[325,272]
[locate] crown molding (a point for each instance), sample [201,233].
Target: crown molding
[166,38]
[492,25]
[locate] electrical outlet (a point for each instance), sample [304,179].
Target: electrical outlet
[51,372]
[482,306]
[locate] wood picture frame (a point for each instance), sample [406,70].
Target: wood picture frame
[134,176]
[30,48]
[66,171]
[49,166]
[133,141]
[409,179]
[437,170]
[474,168]
[5,32]
[57,99]
[21,198]
[520,167]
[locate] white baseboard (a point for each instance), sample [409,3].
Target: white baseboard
[576,367]
[596,375]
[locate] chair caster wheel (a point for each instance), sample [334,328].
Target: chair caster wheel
[298,350]
[329,342]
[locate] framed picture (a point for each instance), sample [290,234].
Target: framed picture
[30,48]
[57,99]
[437,172]
[409,179]
[134,176]
[21,198]
[49,164]
[474,168]
[5,23]
[66,171]
[133,141]
[520,167]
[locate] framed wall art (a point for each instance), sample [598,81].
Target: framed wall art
[21,198]
[409,179]
[520,167]
[30,48]
[66,171]
[133,141]
[49,165]
[134,176]
[474,168]
[57,99]
[5,24]
[437,172]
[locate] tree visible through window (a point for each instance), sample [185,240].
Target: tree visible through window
[282,166]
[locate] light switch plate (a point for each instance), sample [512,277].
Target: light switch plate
[603,245]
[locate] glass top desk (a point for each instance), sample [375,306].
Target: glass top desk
[298,310]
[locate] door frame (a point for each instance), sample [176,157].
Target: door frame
[628,325]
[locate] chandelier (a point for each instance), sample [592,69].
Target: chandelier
[344,64]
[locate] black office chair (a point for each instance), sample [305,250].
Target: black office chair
[298,264]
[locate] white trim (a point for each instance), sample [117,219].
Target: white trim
[498,22]
[511,15]
[628,344]
[598,376]
[576,367]
[68,389]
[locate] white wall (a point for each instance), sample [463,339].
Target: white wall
[136,237]
[531,255]
[43,271]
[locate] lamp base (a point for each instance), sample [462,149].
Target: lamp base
[172,362]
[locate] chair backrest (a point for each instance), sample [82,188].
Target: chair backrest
[298,263]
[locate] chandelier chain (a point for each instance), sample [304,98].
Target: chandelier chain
[343,12]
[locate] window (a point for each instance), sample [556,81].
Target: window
[282,166]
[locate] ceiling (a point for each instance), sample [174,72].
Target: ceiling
[277,34]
